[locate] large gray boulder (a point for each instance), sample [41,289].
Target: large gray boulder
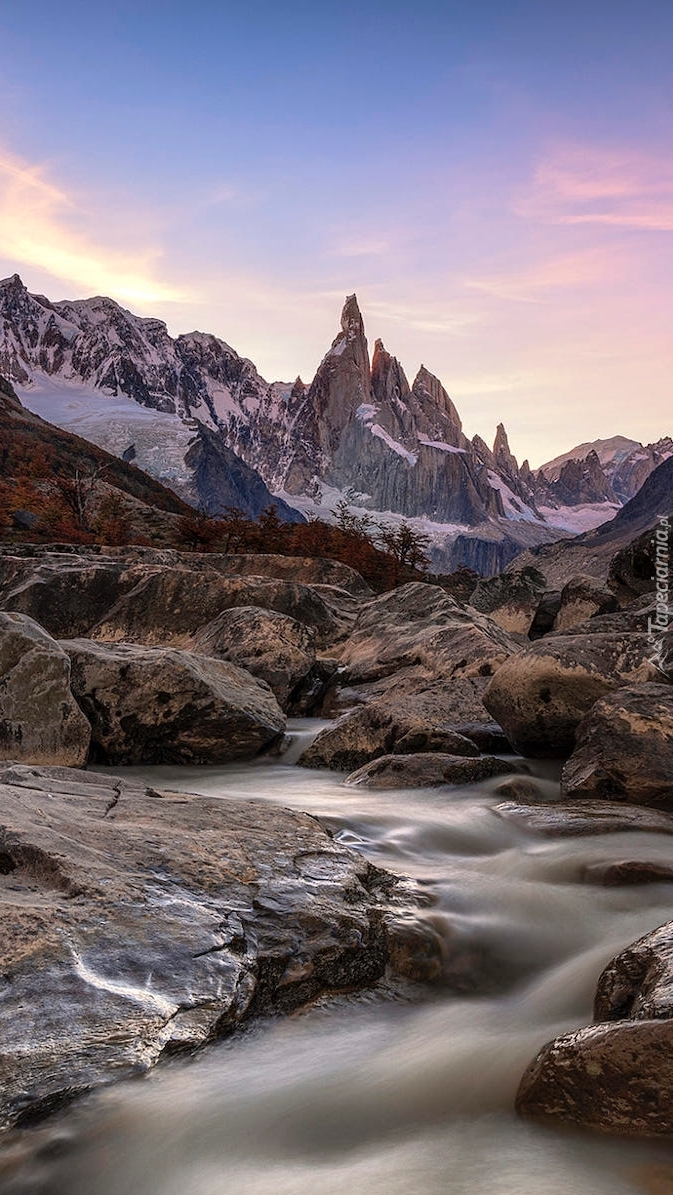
[624,749]
[615,1075]
[137,923]
[540,696]
[273,647]
[511,599]
[40,721]
[419,624]
[163,705]
[381,729]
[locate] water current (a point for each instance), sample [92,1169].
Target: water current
[370,1095]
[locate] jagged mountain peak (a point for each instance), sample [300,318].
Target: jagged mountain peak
[351,317]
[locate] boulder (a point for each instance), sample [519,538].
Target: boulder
[582,598]
[616,1075]
[379,729]
[309,570]
[624,749]
[65,593]
[419,624]
[540,696]
[623,872]
[170,605]
[273,647]
[40,721]
[428,771]
[136,923]
[162,705]
[511,599]
[566,819]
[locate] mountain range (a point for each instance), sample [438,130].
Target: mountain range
[194,414]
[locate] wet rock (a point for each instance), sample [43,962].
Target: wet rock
[519,790]
[626,872]
[617,1075]
[163,705]
[624,749]
[540,696]
[511,599]
[614,1078]
[134,924]
[420,625]
[379,729]
[487,736]
[170,605]
[427,771]
[40,722]
[582,598]
[273,647]
[414,689]
[571,818]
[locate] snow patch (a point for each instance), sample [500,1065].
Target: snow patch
[440,445]
[382,434]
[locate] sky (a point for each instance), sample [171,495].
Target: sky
[493,178]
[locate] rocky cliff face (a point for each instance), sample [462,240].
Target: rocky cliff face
[358,430]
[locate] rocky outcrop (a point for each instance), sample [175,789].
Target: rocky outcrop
[40,722]
[163,705]
[271,646]
[624,749]
[511,599]
[581,598]
[615,1075]
[136,923]
[540,696]
[381,729]
[428,770]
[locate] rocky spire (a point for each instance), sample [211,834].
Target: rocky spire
[436,415]
[504,458]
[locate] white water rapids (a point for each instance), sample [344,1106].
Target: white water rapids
[366,1095]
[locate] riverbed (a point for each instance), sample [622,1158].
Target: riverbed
[407,1093]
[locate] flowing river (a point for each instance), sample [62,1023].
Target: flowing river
[369,1094]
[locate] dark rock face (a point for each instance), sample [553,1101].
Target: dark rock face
[540,696]
[140,923]
[511,599]
[162,705]
[427,771]
[381,729]
[273,647]
[616,1075]
[40,721]
[222,481]
[624,749]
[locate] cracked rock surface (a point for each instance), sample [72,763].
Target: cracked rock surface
[135,924]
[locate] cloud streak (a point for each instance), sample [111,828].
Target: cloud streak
[581,184]
[36,229]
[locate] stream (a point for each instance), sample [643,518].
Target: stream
[368,1094]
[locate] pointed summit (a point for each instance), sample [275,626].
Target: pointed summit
[351,319]
[504,458]
[436,414]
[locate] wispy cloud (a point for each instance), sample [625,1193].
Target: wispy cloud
[569,271]
[38,228]
[582,184]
